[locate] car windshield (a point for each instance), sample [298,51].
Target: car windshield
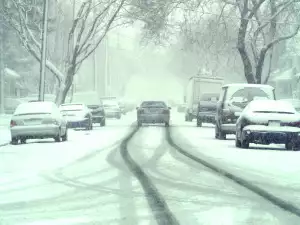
[247,94]
[153,104]
[71,107]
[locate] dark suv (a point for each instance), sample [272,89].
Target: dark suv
[98,113]
[234,98]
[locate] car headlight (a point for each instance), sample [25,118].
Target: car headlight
[248,132]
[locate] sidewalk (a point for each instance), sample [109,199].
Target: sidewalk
[4,129]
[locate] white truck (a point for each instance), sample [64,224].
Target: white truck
[196,87]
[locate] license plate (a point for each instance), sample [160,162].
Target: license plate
[274,123]
[33,122]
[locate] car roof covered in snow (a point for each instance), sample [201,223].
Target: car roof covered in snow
[270,106]
[35,107]
[248,85]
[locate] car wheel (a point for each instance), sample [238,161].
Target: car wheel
[65,136]
[23,140]
[292,146]
[199,123]
[91,126]
[58,137]
[102,123]
[221,135]
[216,132]
[119,117]
[14,141]
[245,143]
[238,143]
[186,118]
[139,124]
[167,124]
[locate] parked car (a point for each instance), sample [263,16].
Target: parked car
[37,120]
[112,109]
[98,113]
[153,112]
[268,122]
[77,115]
[207,108]
[234,98]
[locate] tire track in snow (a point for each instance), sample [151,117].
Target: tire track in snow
[159,207]
[285,205]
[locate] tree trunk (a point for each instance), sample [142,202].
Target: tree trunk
[260,65]
[68,83]
[248,71]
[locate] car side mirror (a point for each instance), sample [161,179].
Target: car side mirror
[137,108]
[169,108]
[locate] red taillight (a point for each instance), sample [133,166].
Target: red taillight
[13,123]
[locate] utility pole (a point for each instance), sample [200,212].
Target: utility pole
[107,78]
[43,53]
[74,81]
[1,69]
[95,53]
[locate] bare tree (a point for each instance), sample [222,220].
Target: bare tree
[92,21]
[261,33]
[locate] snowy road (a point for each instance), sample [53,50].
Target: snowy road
[95,178]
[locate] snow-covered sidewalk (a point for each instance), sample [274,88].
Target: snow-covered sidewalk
[4,129]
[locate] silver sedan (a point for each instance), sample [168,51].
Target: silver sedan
[153,112]
[37,120]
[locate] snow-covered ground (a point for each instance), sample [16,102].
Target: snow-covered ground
[85,180]
[4,129]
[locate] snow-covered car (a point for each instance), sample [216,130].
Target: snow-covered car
[37,120]
[112,109]
[268,122]
[153,112]
[234,98]
[78,115]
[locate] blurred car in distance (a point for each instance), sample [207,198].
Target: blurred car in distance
[98,113]
[112,109]
[153,112]
[268,122]
[37,120]
[181,108]
[77,115]
[207,108]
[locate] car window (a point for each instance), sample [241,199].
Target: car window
[247,94]
[222,94]
[153,104]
